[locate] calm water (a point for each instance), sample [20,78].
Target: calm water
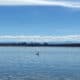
[22,63]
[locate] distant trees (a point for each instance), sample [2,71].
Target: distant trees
[40,44]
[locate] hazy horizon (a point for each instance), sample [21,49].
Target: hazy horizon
[37,38]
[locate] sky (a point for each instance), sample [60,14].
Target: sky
[40,17]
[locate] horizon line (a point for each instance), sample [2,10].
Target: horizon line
[38,38]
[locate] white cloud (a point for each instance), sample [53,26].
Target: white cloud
[64,3]
[41,38]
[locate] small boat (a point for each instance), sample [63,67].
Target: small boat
[37,53]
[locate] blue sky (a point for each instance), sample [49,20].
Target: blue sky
[40,19]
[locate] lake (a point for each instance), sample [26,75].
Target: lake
[52,63]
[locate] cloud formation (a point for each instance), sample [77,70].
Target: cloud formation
[64,3]
[41,38]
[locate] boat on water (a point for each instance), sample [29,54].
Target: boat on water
[37,53]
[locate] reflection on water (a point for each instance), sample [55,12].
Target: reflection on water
[22,63]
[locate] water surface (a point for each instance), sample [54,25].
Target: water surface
[52,63]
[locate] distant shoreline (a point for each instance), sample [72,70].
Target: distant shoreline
[24,44]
